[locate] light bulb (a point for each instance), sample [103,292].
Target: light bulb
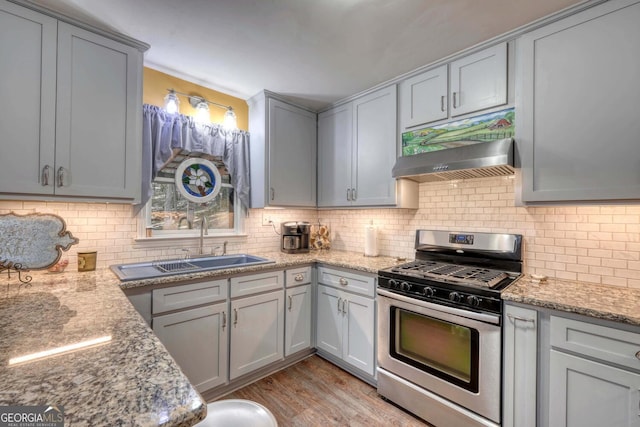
[202,113]
[230,122]
[171,102]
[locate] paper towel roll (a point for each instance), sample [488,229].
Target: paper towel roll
[370,241]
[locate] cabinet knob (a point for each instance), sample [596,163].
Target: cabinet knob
[298,277]
[343,281]
[638,355]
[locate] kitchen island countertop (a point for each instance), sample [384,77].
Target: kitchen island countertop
[128,380]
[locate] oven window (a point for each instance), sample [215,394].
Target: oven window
[444,349]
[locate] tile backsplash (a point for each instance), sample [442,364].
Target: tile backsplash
[590,243]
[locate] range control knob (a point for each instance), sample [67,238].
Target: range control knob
[455,297]
[473,300]
[405,286]
[393,283]
[428,292]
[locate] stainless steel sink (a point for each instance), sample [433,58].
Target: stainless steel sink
[150,270]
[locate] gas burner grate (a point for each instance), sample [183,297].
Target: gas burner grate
[465,275]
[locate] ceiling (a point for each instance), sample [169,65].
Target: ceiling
[313,51]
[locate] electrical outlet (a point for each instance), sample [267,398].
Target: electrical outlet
[266,219]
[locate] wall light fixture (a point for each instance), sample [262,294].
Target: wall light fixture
[202,108]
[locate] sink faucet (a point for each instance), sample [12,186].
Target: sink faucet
[204,229]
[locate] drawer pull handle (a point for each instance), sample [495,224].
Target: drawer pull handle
[343,281]
[60,176]
[455,97]
[299,277]
[339,299]
[522,319]
[224,320]
[290,302]
[45,175]
[442,103]
[638,355]
[235,316]
[344,306]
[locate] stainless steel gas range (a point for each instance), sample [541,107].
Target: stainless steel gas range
[439,326]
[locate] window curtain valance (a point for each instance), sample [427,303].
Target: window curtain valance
[162,133]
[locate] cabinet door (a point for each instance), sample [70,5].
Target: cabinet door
[374,150]
[479,80]
[423,98]
[584,393]
[257,332]
[335,138]
[297,333]
[520,367]
[359,332]
[329,321]
[577,106]
[98,132]
[292,155]
[198,340]
[28,88]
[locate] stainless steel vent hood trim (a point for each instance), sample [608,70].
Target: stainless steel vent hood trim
[480,160]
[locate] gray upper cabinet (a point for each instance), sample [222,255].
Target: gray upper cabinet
[576,99]
[475,82]
[356,152]
[335,129]
[479,81]
[83,90]
[424,98]
[283,153]
[28,82]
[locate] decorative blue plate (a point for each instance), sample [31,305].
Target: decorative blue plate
[198,180]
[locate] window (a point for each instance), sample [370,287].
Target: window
[168,214]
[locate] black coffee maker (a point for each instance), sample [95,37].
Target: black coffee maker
[295,237]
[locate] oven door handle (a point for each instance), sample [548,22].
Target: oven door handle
[494,319]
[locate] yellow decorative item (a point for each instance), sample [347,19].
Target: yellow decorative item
[319,237]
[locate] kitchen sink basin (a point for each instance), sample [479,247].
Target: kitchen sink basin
[150,270]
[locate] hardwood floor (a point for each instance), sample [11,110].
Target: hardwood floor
[315,392]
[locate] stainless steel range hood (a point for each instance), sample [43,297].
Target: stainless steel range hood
[480,160]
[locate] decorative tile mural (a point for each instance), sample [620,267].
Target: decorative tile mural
[474,130]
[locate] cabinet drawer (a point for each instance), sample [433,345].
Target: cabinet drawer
[256,283]
[601,342]
[348,281]
[298,276]
[189,295]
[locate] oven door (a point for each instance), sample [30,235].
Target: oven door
[451,352]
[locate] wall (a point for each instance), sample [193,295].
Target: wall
[598,244]
[156,83]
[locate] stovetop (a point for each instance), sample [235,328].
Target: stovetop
[453,273]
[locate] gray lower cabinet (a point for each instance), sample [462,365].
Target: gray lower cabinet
[594,375]
[576,101]
[195,329]
[256,322]
[520,361]
[345,324]
[299,305]
[85,89]
[567,370]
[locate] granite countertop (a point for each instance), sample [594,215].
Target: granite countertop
[351,260]
[130,380]
[599,301]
